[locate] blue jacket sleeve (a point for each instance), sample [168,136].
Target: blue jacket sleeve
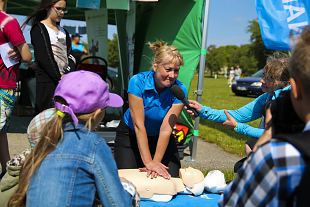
[210,114]
[248,130]
[110,189]
[249,112]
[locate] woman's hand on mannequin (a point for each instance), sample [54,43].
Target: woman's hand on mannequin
[149,172]
[155,168]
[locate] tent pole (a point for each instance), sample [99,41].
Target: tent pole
[202,64]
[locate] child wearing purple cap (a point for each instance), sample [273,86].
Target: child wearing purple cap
[70,164]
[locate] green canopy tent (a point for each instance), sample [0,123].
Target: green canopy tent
[179,23]
[182,23]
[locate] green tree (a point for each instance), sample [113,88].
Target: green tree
[214,59]
[231,55]
[245,59]
[257,46]
[113,55]
[250,57]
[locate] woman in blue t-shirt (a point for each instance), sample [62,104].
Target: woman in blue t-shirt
[144,136]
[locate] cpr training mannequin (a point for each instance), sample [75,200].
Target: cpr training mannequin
[159,189]
[193,180]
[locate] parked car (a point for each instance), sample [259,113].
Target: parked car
[248,85]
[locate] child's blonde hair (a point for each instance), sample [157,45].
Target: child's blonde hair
[51,134]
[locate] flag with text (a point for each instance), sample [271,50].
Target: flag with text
[281,21]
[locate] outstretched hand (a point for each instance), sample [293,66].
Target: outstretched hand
[194,105]
[230,121]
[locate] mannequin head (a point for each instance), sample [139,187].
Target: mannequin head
[191,176]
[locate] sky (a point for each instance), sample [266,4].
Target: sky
[228,21]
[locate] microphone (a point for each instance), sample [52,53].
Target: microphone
[179,94]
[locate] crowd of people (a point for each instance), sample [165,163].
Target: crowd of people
[70,165]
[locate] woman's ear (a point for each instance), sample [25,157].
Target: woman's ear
[155,67]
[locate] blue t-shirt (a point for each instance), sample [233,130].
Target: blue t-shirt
[77,48]
[156,105]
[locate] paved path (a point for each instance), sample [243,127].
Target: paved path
[209,156]
[17,143]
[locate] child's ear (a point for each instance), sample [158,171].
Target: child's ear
[295,88]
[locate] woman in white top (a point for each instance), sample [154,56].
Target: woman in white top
[52,46]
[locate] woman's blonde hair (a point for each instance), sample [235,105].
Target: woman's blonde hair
[51,134]
[165,54]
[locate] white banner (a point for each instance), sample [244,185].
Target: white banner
[97,26]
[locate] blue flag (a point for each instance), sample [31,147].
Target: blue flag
[307,7]
[280,19]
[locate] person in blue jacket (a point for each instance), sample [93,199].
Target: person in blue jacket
[71,165]
[143,138]
[275,79]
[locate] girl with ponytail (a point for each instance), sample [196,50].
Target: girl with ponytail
[70,164]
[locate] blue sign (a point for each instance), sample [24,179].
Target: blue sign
[280,19]
[88,4]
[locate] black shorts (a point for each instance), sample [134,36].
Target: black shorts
[251,142]
[127,154]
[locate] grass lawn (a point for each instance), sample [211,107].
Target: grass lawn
[218,95]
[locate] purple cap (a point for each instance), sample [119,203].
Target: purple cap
[84,92]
